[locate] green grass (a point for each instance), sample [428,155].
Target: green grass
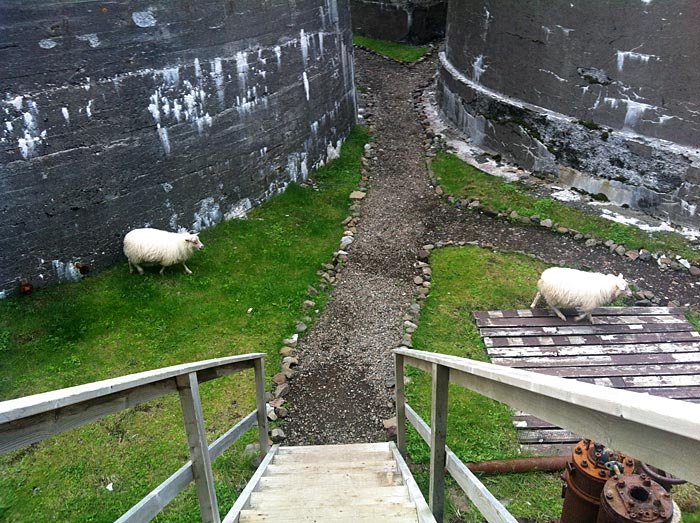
[116,323]
[462,180]
[399,52]
[465,280]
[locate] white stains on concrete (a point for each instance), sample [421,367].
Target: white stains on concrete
[170,75]
[197,69]
[566,195]
[478,68]
[66,116]
[47,43]
[333,153]
[635,111]
[90,38]
[566,30]
[304,41]
[242,69]
[164,139]
[9,127]
[65,271]
[88,109]
[209,214]
[167,187]
[144,18]
[305,78]
[320,42]
[553,74]
[16,102]
[486,23]
[547,32]
[239,210]
[218,75]
[278,54]
[633,56]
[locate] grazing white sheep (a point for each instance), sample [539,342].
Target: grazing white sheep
[562,287]
[156,247]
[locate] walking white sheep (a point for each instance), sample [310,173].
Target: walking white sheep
[156,247]
[562,287]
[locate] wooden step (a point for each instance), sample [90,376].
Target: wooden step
[306,468]
[330,496]
[370,457]
[349,480]
[337,514]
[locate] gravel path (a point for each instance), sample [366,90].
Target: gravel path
[342,390]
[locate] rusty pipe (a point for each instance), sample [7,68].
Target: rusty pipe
[508,466]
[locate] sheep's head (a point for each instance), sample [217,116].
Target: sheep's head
[622,286]
[193,240]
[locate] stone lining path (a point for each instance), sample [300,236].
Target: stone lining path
[343,387]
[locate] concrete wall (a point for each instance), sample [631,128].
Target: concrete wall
[603,93]
[174,114]
[412,21]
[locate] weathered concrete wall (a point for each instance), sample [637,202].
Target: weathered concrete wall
[173,114]
[604,94]
[413,21]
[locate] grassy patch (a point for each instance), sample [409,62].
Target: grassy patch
[462,180]
[465,280]
[399,52]
[116,323]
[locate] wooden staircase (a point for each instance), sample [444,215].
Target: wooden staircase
[332,483]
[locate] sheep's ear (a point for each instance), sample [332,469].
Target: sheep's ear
[621,283]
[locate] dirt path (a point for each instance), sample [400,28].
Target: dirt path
[343,388]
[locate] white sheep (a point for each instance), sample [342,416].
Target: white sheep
[562,287]
[156,247]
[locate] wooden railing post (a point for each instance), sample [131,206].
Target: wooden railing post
[400,404]
[188,386]
[441,380]
[261,405]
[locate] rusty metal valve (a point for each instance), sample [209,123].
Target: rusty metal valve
[634,498]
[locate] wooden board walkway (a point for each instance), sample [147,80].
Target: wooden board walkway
[652,350]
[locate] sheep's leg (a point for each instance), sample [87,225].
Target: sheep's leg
[537,298]
[581,316]
[559,313]
[187,269]
[131,268]
[162,268]
[138,267]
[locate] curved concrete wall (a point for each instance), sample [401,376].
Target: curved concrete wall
[412,21]
[604,94]
[173,114]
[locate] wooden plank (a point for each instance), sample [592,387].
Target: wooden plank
[422,509]
[547,449]
[487,504]
[566,330]
[601,311]
[302,513]
[50,401]
[356,496]
[158,498]
[676,369]
[630,422]
[436,497]
[527,422]
[261,405]
[547,436]
[243,500]
[588,360]
[597,320]
[653,381]
[593,350]
[585,339]
[687,394]
[199,450]
[400,401]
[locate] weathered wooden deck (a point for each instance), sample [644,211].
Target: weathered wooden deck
[650,350]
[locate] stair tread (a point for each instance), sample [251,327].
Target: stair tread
[348,480]
[377,512]
[350,447]
[330,467]
[361,496]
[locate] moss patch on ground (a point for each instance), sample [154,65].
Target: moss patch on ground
[116,323]
[399,52]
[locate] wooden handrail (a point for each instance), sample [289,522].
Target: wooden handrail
[27,420]
[659,431]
